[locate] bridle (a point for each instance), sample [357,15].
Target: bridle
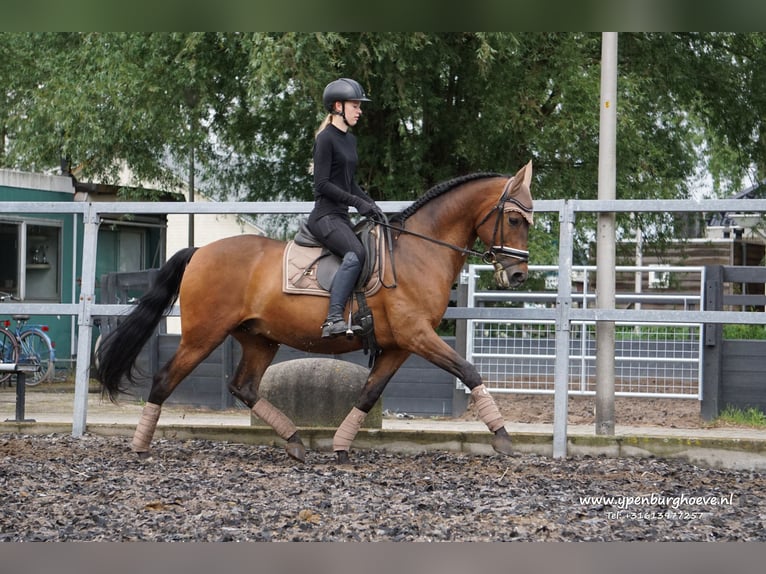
[497,247]
[490,256]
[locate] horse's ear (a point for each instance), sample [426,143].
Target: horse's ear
[523,176]
[527,169]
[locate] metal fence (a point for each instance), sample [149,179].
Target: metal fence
[651,359]
[564,314]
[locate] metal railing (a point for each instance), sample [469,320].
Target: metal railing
[652,359]
[563,314]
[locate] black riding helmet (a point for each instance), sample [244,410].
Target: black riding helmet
[342,90]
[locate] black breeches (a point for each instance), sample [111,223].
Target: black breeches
[335,233]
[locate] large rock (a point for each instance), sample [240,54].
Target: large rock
[317,392]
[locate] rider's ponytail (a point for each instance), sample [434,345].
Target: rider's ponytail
[325,122]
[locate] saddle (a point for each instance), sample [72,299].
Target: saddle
[309,267]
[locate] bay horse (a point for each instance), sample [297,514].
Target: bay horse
[234,287]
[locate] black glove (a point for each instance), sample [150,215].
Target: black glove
[372,211]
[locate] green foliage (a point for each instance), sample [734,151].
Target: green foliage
[750,416]
[746,332]
[242,108]
[650,333]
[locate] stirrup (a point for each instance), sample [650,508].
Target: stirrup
[332,327]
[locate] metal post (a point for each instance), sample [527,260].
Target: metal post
[21,388]
[85,320]
[605,240]
[638,278]
[462,335]
[712,358]
[563,300]
[191,195]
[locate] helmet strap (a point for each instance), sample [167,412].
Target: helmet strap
[342,112]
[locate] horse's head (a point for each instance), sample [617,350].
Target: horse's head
[505,230]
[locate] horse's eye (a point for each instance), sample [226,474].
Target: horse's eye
[515,220]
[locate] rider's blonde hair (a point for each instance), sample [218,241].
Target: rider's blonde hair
[325,122]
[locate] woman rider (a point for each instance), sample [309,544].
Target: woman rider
[335,189]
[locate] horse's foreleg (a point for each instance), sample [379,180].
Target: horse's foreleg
[436,351]
[257,354]
[490,415]
[385,367]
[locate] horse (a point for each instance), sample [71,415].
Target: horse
[233,286]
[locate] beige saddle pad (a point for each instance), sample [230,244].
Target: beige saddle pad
[300,274]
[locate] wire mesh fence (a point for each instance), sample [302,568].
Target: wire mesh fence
[651,359]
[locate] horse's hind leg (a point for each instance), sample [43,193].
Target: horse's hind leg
[257,354]
[187,357]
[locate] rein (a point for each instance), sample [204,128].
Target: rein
[489,256]
[462,250]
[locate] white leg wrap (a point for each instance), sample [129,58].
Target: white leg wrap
[487,408]
[347,430]
[145,429]
[275,418]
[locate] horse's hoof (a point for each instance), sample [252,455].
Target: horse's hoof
[502,445]
[144,454]
[296,450]
[342,457]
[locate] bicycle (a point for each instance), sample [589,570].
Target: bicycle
[26,344]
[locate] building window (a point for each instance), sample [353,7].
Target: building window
[42,262]
[30,253]
[659,279]
[9,257]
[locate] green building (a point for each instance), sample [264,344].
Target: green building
[41,253]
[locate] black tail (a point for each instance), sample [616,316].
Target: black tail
[119,350]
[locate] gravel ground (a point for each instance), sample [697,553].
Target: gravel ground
[631,411]
[57,488]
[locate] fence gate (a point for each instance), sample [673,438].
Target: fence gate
[651,360]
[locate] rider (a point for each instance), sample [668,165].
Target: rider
[335,189]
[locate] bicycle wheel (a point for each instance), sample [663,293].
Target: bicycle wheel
[36,349]
[9,352]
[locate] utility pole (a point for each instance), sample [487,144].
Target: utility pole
[191,195]
[605,239]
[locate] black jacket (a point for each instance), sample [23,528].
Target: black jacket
[335,188]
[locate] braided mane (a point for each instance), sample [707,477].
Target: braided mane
[440,189]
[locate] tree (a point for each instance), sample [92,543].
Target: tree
[729,98]
[104,101]
[444,104]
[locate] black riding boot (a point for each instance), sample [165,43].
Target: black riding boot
[340,291]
